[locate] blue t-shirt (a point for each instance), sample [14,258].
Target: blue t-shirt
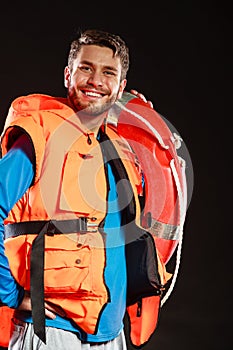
[111,319]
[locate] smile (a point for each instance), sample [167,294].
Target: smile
[92,94]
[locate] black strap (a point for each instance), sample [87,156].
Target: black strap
[37,259]
[37,284]
[143,278]
[125,192]
[52,227]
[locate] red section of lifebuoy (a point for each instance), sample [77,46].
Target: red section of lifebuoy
[151,139]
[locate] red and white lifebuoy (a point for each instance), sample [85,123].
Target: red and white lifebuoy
[165,181]
[155,147]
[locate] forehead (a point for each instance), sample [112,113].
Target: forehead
[97,56]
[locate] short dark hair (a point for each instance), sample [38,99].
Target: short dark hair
[104,39]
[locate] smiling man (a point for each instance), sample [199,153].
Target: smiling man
[69,190]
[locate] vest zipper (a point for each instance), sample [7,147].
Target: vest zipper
[89,139]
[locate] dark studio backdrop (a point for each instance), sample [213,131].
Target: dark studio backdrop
[181,60]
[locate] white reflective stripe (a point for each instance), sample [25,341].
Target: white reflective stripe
[126,97]
[165,231]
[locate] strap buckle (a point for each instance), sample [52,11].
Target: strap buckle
[91,226]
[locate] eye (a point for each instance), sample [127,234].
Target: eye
[85,68]
[109,72]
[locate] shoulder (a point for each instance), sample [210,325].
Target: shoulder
[35,102]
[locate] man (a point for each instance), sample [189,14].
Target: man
[69,196]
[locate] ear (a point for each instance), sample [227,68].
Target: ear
[66,76]
[122,87]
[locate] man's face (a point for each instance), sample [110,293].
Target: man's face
[94,83]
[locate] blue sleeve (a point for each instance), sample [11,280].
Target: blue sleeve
[16,175]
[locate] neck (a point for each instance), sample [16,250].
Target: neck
[91,122]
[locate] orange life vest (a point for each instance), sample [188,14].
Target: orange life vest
[63,148]
[6,329]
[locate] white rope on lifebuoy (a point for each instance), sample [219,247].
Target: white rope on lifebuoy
[182,204]
[138,116]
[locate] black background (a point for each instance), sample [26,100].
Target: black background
[181,60]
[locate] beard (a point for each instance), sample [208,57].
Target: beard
[94,108]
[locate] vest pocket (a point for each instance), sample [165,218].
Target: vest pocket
[65,270]
[83,188]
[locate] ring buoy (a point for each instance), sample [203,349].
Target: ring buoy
[165,194]
[164,171]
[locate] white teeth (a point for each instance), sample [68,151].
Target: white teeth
[94,94]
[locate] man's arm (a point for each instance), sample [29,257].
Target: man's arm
[16,175]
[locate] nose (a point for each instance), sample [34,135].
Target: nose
[95,79]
